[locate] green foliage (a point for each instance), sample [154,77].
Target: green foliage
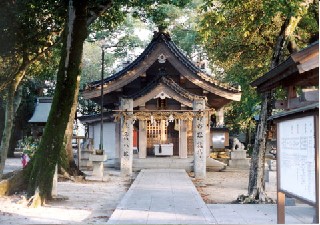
[240,36]
[29,145]
[28,29]
[184,30]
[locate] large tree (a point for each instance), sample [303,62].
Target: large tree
[28,32]
[248,38]
[81,14]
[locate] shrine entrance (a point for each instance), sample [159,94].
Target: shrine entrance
[168,99]
[162,132]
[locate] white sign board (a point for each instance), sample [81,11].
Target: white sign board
[297,157]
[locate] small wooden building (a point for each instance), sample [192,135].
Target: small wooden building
[297,127]
[162,98]
[40,116]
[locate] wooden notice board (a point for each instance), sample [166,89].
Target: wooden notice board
[297,155]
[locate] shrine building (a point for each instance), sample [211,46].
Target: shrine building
[159,106]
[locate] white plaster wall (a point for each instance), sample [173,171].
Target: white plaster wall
[108,138]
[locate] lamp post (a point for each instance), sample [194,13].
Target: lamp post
[102,77]
[103,47]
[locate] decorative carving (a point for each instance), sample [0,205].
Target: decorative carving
[161,115]
[162,58]
[162,95]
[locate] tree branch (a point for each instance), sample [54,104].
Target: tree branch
[95,12]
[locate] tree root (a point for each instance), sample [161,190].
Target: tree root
[75,177]
[35,201]
[74,170]
[246,199]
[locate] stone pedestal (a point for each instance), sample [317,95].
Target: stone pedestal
[270,176]
[238,154]
[86,150]
[238,159]
[97,163]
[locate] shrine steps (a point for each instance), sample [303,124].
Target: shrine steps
[163,163]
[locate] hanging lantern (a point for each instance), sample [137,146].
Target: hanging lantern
[134,118]
[171,118]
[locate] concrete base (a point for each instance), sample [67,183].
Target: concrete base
[239,163]
[97,169]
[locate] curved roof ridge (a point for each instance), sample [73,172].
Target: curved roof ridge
[204,75]
[135,62]
[180,90]
[144,90]
[165,37]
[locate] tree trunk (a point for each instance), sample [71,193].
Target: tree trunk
[12,104]
[256,177]
[256,187]
[72,168]
[18,123]
[49,151]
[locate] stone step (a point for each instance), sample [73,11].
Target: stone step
[163,163]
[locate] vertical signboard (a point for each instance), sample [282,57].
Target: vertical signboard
[297,158]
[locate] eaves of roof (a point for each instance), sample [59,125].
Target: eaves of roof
[311,107]
[292,65]
[94,118]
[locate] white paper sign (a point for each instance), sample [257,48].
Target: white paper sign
[297,157]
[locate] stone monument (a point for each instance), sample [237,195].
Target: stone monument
[238,155]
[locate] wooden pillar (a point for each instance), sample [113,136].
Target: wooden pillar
[126,138]
[281,207]
[183,140]
[142,139]
[199,139]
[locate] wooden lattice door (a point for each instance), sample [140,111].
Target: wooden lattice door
[153,135]
[159,132]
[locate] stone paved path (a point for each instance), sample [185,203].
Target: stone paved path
[165,196]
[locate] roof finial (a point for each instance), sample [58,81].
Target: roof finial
[162,29]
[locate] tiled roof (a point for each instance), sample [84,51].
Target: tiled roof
[165,38]
[42,110]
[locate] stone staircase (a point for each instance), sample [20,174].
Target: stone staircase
[161,162]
